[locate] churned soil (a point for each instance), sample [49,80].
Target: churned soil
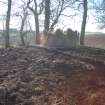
[49,76]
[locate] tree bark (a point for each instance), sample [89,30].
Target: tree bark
[82,36]
[7,43]
[47,16]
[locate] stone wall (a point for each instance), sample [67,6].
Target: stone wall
[59,38]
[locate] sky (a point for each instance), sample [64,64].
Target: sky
[64,22]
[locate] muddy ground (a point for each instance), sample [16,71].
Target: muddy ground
[40,76]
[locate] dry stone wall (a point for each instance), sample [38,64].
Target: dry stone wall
[59,38]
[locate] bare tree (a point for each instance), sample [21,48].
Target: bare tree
[36,14]
[56,13]
[7,43]
[23,20]
[57,9]
[82,36]
[22,33]
[23,14]
[100,11]
[47,16]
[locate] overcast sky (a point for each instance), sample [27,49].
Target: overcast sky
[65,22]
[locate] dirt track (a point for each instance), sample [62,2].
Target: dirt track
[40,76]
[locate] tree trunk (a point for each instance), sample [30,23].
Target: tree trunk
[21,29]
[82,36]
[37,38]
[7,43]
[47,16]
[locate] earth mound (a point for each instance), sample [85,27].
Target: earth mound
[42,76]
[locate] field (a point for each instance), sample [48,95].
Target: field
[95,40]
[48,76]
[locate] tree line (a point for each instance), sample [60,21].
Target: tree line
[51,10]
